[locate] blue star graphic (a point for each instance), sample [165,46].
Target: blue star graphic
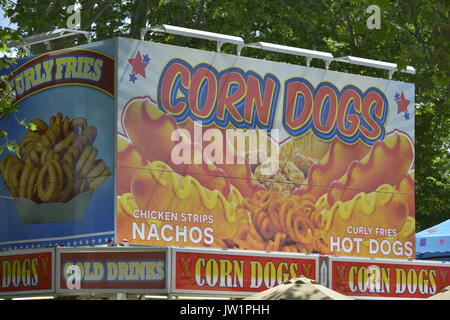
[133,77]
[406,116]
[146,58]
[397,96]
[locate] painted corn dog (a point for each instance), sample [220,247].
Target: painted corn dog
[407,186]
[394,154]
[129,162]
[142,119]
[365,209]
[126,206]
[160,186]
[387,208]
[144,122]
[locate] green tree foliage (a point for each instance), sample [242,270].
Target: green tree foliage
[412,33]
[7,107]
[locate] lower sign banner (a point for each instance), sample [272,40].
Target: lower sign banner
[367,278]
[26,272]
[230,272]
[112,270]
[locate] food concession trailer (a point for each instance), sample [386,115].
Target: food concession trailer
[164,170]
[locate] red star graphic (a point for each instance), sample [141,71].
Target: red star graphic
[402,104]
[138,65]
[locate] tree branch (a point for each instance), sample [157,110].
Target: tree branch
[138,18]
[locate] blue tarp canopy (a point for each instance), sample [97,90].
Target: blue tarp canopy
[434,243]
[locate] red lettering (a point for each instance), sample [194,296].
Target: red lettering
[348,96]
[227,101]
[200,77]
[294,89]
[262,105]
[318,109]
[166,89]
[372,100]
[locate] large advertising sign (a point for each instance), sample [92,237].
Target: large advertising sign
[217,150]
[394,278]
[27,272]
[234,272]
[112,270]
[58,189]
